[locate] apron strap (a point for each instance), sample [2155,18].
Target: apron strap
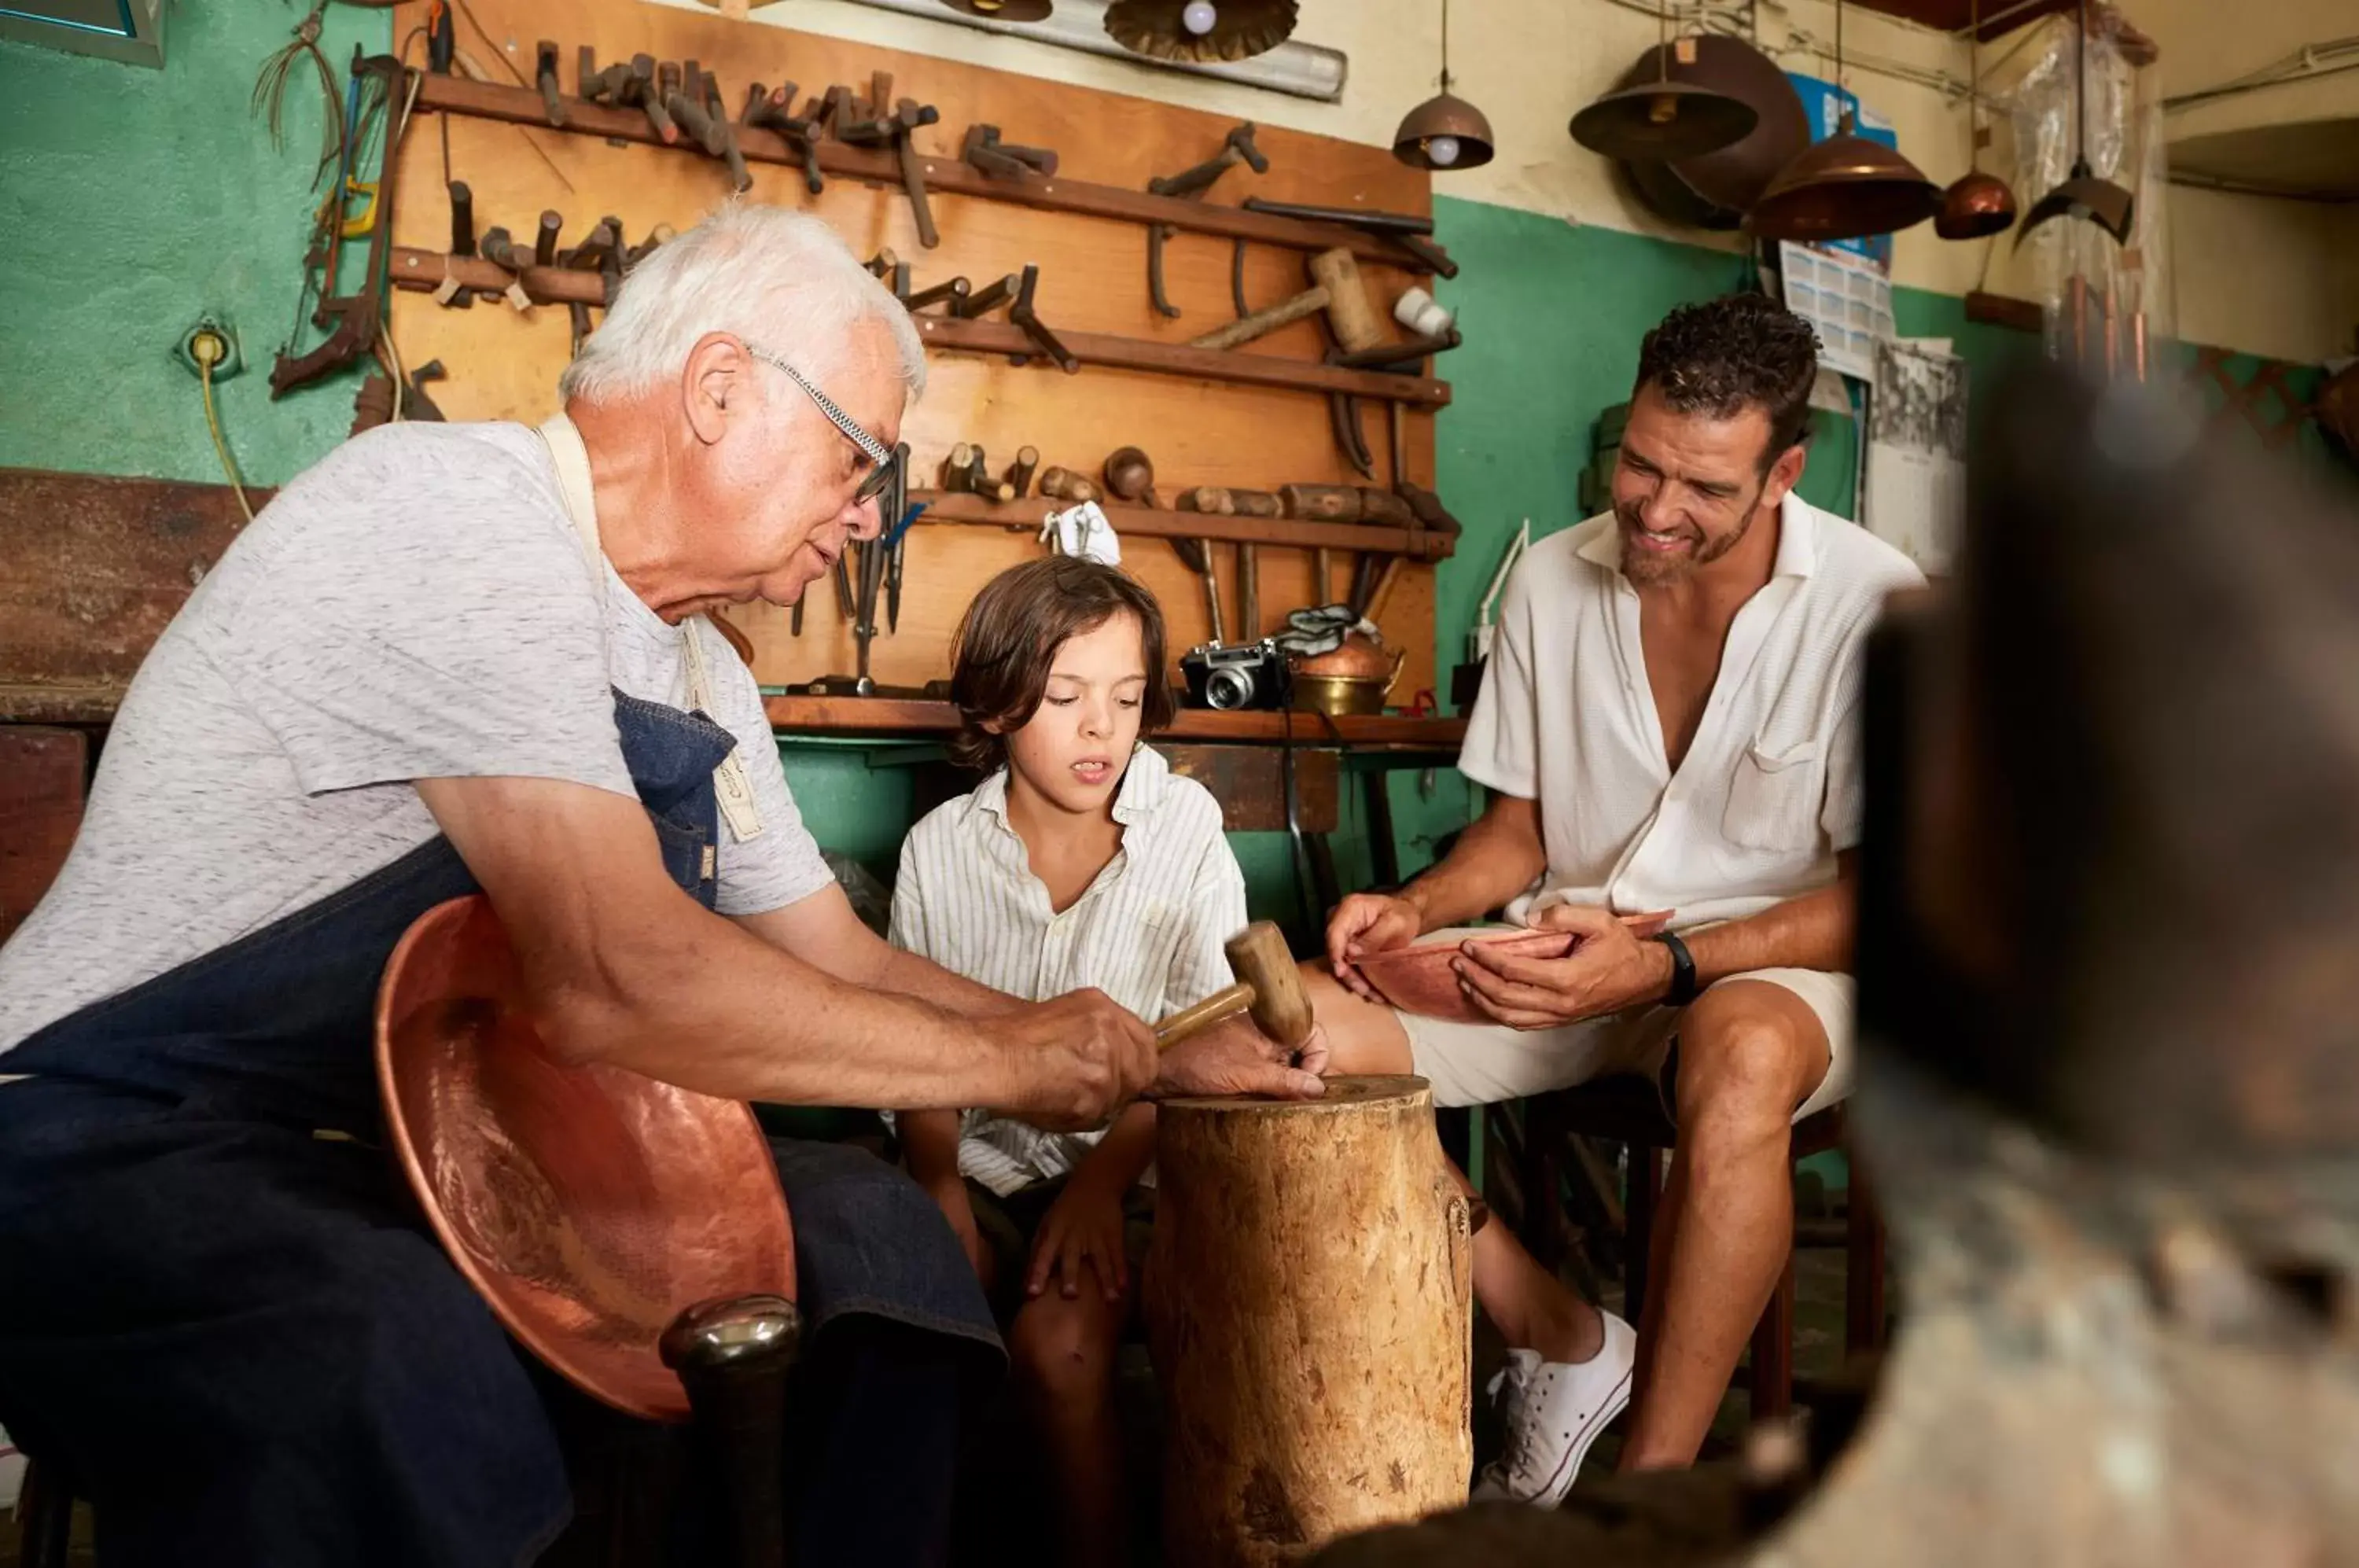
[731,786]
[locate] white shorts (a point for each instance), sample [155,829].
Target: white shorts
[1481,1064]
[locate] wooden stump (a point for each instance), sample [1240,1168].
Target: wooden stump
[1310,1306]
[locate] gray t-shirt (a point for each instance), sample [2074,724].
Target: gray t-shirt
[416,606]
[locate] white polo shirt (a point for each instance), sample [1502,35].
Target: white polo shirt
[1150,931]
[1769,789]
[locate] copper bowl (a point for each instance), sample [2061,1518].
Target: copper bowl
[1419,978]
[1360,657]
[589,1204]
[1354,678]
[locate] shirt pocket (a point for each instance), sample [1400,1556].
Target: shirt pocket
[1773,800]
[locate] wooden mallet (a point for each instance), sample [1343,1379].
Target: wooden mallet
[1336,290]
[1268,988]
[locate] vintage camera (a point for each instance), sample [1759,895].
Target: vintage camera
[1240,675]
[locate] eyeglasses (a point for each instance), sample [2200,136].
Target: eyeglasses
[880,457]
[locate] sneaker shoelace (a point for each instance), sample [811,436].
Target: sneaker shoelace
[1524,1447]
[1516,1464]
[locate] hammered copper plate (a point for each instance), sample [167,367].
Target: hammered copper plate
[589,1204]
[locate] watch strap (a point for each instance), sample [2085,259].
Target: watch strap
[1683,969]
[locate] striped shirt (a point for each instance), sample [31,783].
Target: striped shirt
[1148,931]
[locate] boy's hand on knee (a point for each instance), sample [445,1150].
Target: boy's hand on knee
[1083,1228]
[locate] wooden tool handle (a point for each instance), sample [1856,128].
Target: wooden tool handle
[1310,302]
[1321,502]
[1225,1003]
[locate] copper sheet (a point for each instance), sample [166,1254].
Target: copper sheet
[589,1204]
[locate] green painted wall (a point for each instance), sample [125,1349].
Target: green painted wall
[131,203]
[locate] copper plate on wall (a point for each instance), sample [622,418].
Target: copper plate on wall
[588,1205]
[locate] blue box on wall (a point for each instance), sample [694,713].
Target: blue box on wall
[1823,103]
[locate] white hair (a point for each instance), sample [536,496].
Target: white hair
[780,280]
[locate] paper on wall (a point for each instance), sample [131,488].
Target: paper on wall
[1917,452]
[1847,299]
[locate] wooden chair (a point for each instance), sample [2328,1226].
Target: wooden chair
[1628,1111]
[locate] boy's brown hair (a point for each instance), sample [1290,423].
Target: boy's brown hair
[1010,636]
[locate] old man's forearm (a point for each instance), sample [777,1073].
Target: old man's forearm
[624,968]
[725,1013]
[824,931]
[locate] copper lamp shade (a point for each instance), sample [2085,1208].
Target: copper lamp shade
[1844,187]
[1004,10]
[1199,31]
[1663,120]
[1444,132]
[2083,194]
[1978,205]
[1713,190]
[589,1205]
[2101,201]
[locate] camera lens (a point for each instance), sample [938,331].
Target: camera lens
[1228,687]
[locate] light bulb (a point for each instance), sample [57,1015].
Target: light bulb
[1199,17]
[1441,151]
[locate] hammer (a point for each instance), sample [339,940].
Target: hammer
[1337,291]
[1268,989]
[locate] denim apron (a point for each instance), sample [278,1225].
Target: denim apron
[219,1307]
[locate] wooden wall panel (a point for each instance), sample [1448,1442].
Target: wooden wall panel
[503,364]
[41,773]
[92,570]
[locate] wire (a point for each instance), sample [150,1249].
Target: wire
[206,353]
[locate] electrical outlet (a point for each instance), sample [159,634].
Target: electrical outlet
[185,351]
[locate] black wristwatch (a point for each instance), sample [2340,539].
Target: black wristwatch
[1683,976]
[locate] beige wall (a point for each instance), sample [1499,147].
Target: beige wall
[1531,63]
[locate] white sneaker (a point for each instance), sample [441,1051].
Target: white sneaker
[1554,1411]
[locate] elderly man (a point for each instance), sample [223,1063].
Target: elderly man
[461,657]
[1669,723]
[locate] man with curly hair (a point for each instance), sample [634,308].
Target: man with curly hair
[1669,724]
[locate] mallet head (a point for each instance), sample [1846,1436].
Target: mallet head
[1279,1007]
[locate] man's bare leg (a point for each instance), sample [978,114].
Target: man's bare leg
[1532,1309]
[1749,1052]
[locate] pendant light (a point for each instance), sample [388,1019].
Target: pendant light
[1845,187]
[1199,32]
[1004,10]
[1445,131]
[2083,195]
[1979,204]
[1664,119]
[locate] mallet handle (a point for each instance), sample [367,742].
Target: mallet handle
[1225,1003]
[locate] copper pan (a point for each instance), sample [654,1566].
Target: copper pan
[587,1203]
[1713,190]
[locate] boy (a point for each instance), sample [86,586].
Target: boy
[1080,861]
